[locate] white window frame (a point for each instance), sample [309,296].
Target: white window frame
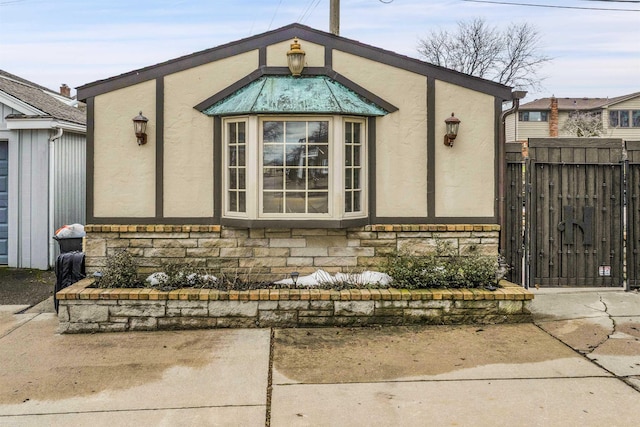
[254,168]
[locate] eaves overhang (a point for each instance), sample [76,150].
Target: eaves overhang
[23,122]
[314,93]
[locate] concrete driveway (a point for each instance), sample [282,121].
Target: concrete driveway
[575,367]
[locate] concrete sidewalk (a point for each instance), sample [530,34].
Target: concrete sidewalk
[578,367]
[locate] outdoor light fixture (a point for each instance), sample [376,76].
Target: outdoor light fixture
[295,58]
[452,130]
[140,128]
[294,277]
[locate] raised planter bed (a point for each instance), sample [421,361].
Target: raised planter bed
[86,309]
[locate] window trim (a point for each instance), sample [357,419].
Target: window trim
[544,116]
[618,122]
[254,161]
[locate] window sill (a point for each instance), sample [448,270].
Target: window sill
[299,223]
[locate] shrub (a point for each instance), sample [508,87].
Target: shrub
[120,271]
[443,269]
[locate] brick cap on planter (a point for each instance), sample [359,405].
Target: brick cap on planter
[82,291]
[153,228]
[158,228]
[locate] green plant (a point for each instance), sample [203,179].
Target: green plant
[443,269]
[120,271]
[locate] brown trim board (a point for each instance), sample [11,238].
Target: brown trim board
[159,147]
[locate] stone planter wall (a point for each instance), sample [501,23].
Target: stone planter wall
[86,309]
[271,254]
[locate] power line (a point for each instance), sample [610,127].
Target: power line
[551,6]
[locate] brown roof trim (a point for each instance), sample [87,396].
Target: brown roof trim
[288,32]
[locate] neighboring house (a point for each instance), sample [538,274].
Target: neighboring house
[250,169]
[547,117]
[42,170]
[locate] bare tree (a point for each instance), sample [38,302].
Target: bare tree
[511,57]
[584,125]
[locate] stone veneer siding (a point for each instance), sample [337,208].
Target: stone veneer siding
[85,309]
[271,254]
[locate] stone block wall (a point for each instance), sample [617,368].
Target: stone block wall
[86,309]
[271,254]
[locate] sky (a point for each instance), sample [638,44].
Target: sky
[595,53]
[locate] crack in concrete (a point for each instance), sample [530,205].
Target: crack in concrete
[613,323]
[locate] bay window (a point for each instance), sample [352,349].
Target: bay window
[294,167]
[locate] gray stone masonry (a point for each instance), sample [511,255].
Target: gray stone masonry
[271,254]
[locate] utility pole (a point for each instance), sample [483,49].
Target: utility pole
[334,12]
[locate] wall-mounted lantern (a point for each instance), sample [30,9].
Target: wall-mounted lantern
[295,58]
[452,130]
[140,128]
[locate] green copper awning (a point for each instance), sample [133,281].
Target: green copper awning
[288,94]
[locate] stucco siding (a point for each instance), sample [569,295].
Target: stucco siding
[465,173]
[124,172]
[401,137]
[277,54]
[188,134]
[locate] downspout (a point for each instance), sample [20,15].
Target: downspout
[516,96]
[52,200]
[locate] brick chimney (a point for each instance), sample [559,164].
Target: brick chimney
[553,118]
[65,90]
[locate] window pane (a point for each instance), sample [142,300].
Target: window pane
[272,202]
[318,155]
[356,178]
[232,133]
[273,132]
[356,201]
[242,201]
[273,179]
[242,182]
[296,202]
[318,179]
[348,152]
[347,201]
[272,155]
[635,115]
[241,133]
[296,132]
[233,201]
[624,119]
[296,154]
[348,181]
[241,156]
[356,155]
[233,158]
[318,202]
[356,133]
[613,119]
[348,133]
[296,179]
[233,182]
[318,132]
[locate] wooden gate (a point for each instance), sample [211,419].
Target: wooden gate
[572,232]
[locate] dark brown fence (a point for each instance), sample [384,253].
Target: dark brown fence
[573,233]
[633,213]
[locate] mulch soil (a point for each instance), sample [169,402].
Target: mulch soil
[25,287]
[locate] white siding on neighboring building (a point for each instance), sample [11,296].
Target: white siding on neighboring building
[70,182]
[28,199]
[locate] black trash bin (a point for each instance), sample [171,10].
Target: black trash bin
[69,264]
[69,244]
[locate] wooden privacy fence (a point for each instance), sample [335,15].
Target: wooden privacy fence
[570,205]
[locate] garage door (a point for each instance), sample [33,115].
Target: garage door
[4,201]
